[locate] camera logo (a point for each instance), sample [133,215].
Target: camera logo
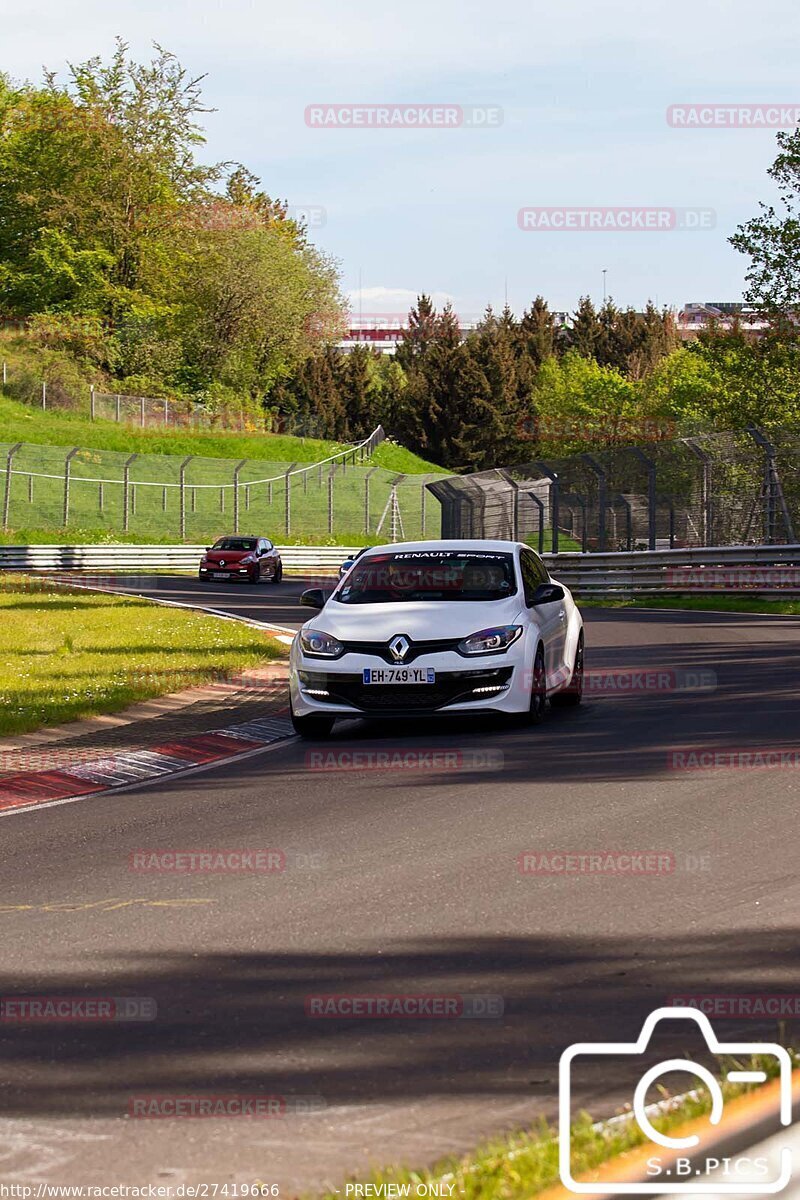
[677,1171]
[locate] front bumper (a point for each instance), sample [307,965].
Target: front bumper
[223,573]
[491,683]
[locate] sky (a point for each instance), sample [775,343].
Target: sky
[573,97]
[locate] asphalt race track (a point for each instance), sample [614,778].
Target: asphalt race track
[402,879]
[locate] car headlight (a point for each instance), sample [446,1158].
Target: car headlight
[490,641]
[319,644]
[248,558]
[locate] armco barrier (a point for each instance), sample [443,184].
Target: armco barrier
[298,559]
[716,570]
[762,570]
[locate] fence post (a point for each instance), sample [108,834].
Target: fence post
[4,372]
[236,471]
[708,514]
[166,411]
[330,501]
[423,494]
[367,477]
[126,472]
[602,493]
[30,489]
[91,402]
[100,497]
[67,462]
[44,393]
[553,477]
[184,465]
[7,491]
[628,521]
[287,503]
[540,505]
[772,487]
[119,401]
[651,495]
[141,411]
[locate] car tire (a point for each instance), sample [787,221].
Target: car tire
[573,697]
[278,574]
[538,702]
[314,727]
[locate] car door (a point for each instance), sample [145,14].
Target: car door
[551,618]
[270,556]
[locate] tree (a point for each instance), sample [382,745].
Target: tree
[418,335]
[537,332]
[586,334]
[772,241]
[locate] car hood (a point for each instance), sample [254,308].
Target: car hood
[228,555]
[420,621]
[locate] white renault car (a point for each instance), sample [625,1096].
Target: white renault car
[417,628]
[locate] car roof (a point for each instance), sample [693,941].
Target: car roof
[488,544]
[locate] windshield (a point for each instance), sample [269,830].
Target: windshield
[429,575]
[230,543]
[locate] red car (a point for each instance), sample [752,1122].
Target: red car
[250,559]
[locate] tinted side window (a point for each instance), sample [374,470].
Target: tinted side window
[533,573]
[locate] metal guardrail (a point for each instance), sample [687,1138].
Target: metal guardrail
[768,570]
[732,570]
[302,559]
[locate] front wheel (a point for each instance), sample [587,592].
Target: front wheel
[538,702]
[277,574]
[573,694]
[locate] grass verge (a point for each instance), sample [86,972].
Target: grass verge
[526,1164]
[734,604]
[23,423]
[68,654]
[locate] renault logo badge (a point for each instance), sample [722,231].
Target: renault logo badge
[399,647]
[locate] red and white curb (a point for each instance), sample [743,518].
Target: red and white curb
[28,789]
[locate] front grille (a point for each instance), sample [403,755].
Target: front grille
[451,687]
[415,649]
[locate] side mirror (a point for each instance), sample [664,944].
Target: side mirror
[314,598]
[546,593]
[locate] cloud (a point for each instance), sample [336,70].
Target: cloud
[390,300]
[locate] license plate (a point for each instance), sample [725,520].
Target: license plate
[399,675]
[219,574]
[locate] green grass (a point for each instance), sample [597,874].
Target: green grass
[68,654]
[24,423]
[734,604]
[525,1164]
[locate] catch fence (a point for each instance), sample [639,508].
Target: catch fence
[719,489]
[197,498]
